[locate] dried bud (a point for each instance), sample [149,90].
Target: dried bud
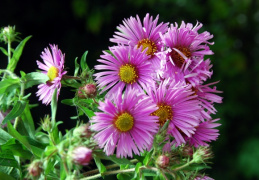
[202,154]
[35,168]
[82,131]
[82,155]
[87,91]
[46,123]
[163,161]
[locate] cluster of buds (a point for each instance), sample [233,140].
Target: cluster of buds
[35,168]
[202,154]
[82,131]
[8,34]
[87,91]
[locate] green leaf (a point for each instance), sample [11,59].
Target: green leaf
[69,102]
[8,85]
[17,54]
[147,158]
[50,163]
[28,121]
[196,167]
[6,176]
[4,51]
[76,67]
[4,136]
[83,63]
[15,112]
[18,136]
[54,105]
[35,78]
[119,161]
[124,176]
[7,159]
[50,150]
[99,165]
[11,171]
[89,113]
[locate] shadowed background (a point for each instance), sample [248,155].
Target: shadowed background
[80,25]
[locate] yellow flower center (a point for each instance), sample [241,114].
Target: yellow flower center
[128,73]
[124,122]
[177,58]
[146,43]
[52,73]
[164,113]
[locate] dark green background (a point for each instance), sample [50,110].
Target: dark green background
[80,25]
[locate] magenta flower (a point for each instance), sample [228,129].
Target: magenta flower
[125,124]
[82,155]
[53,67]
[176,102]
[125,67]
[204,133]
[144,36]
[186,50]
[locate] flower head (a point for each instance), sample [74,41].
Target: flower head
[125,124]
[143,36]
[53,67]
[176,102]
[125,67]
[35,168]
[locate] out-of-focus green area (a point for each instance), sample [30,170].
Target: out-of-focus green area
[80,25]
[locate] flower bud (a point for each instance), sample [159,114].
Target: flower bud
[82,155]
[163,161]
[202,154]
[87,91]
[187,151]
[8,33]
[46,124]
[82,131]
[35,168]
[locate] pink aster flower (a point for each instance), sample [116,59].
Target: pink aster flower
[125,124]
[186,49]
[53,67]
[176,102]
[204,132]
[125,67]
[144,36]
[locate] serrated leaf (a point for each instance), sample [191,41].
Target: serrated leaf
[8,85]
[35,78]
[4,51]
[76,67]
[83,63]
[99,165]
[15,112]
[17,54]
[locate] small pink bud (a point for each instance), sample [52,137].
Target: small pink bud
[35,168]
[82,155]
[187,151]
[87,91]
[163,161]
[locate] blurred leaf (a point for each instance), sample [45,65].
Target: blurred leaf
[99,165]
[7,159]
[35,78]
[6,176]
[4,51]
[4,136]
[28,121]
[15,112]
[121,176]
[16,54]
[119,161]
[8,85]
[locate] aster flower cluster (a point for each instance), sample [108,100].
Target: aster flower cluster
[147,107]
[163,66]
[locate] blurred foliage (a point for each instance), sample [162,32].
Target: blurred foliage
[80,25]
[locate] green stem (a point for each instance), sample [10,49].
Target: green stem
[9,50]
[183,166]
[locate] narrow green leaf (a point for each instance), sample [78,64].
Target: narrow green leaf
[49,166]
[35,78]
[15,112]
[16,54]
[18,136]
[119,161]
[83,63]
[8,85]
[76,67]
[4,51]
[4,136]
[99,165]
[69,102]
[28,121]
[147,158]
[89,113]
[54,105]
